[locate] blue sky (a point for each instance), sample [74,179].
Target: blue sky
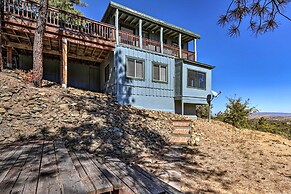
[252,67]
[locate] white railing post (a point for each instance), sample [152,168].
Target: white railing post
[195,49]
[162,39]
[180,45]
[140,33]
[116,26]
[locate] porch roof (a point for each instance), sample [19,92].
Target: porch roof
[149,23]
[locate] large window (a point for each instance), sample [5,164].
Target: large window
[135,68]
[196,79]
[160,72]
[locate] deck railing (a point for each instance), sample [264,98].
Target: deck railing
[151,45]
[171,50]
[188,55]
[28,10]
[129,39]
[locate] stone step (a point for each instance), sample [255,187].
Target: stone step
[179,140]
[181,123]
[183,127]
[182,131]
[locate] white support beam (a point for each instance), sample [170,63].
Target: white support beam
[195,49]
[116,26]
[162,39]
[180,45]
[140,33]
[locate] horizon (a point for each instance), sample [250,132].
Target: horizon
[255,68]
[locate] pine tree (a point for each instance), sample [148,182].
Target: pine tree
[66,5]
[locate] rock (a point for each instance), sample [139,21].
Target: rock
[2,110]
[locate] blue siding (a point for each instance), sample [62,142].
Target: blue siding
[193,95]
[144,93]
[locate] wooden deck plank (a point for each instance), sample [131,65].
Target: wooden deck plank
[69,177]
[168,188]
[10,159]
[11,177]
[100,182]
[48,175]
[90,189]
[140,178]
[8,152]
[128,180]
[27,181]
[115,181]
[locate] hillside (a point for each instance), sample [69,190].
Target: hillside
[228,160]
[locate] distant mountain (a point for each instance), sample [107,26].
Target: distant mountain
[270,115]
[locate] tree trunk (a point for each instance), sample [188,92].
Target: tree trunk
[38,43]
[1,18]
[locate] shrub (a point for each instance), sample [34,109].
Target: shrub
[202,111]
[237,112]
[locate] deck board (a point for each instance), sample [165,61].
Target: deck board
[48,182]
[124,176]
[48,167]
[90,189]
[12,175]
[101,183]
[68,175]
[9,161]
[32,169]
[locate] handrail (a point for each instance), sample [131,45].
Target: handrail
[171,50]
[28,10]
[151,45]
[188,55]
[129,39]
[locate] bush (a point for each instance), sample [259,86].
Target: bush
[237,112]
[202,111]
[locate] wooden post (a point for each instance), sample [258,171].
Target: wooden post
[116,26]
[9,57]
[195,49]
[162,39]
[140,33]
[182,107]
[64,63]
[180,45]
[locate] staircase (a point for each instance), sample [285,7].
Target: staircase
[182,132]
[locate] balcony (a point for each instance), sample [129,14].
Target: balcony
[155,46]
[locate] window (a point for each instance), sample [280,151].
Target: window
[135,68]
[160,72]
[196,79]
[107,73]
[126,29]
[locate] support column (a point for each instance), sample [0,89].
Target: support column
[195,49]
[162,39]
[116,26]
[140,33]
[182,107]
[9,57]
[64,63]
[180,45]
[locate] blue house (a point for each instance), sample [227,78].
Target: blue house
[143,61]
[152,66]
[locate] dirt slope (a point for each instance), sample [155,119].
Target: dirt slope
[228,160]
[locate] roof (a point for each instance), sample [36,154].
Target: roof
[112,6]
[196,63]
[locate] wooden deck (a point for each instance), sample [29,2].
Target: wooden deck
[88,39]
[48,167]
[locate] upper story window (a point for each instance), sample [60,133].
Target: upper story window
[196,79]
[160,72]
[135,68]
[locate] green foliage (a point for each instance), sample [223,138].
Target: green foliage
[237,112]
[280,127]
[202,111]
[67,5]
